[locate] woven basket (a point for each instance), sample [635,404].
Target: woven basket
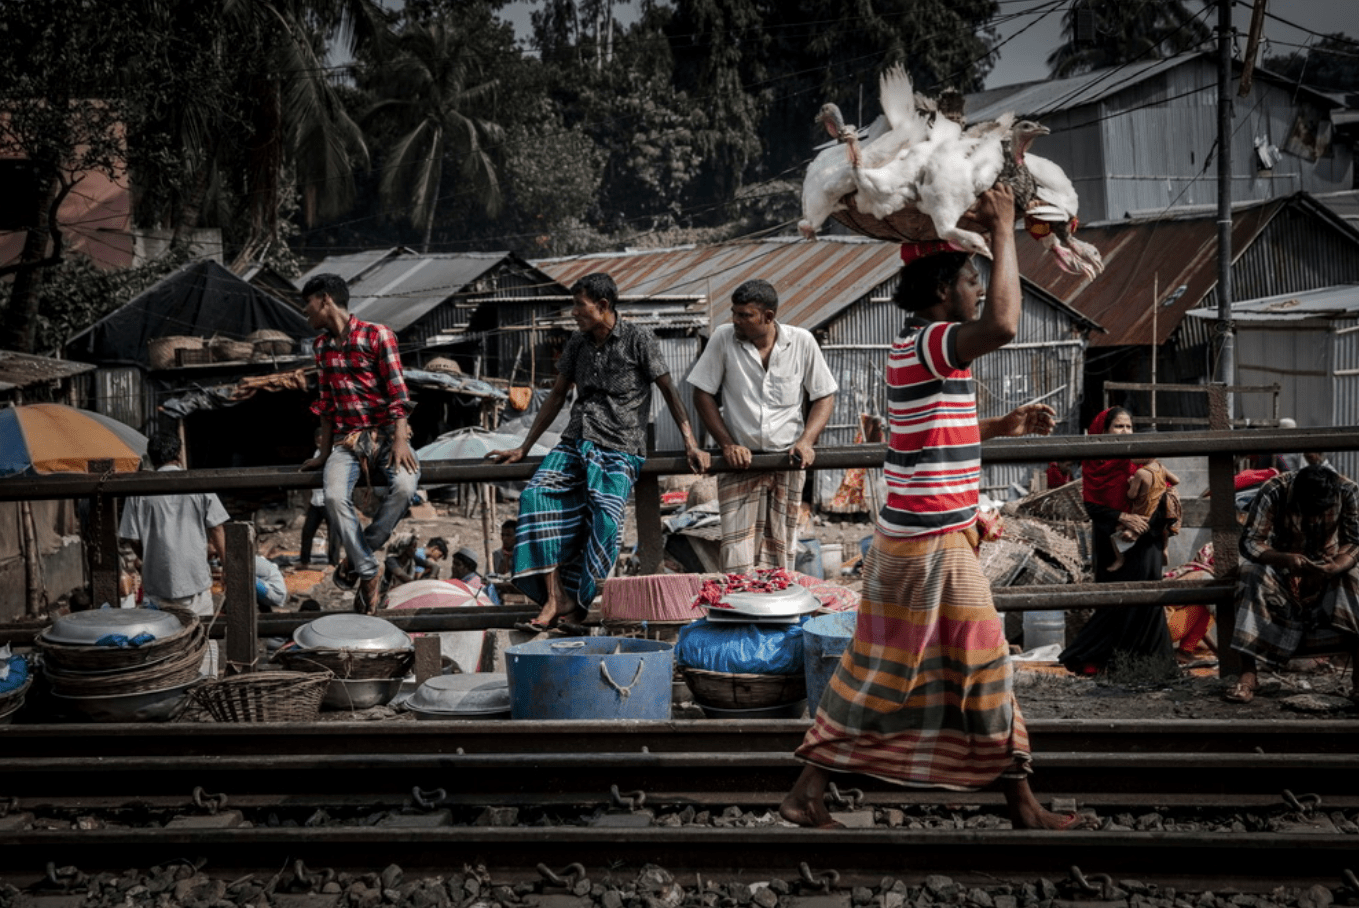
[269,342]
[181,668]
[349,665]
[443,364]
[71,658]
[735,690]
[226,350]
[161,351]
[265,697]
[905,226]
[12,700]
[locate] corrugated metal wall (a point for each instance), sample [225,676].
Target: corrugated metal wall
[1157,136]
[680,354]
[1345,389]
[1307,361]
[121,392]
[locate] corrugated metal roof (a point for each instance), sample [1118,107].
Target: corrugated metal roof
[351,266]
[1142,258]
[814,280]
[1034,99]
[1345,203]
[21,370]
[1329,302]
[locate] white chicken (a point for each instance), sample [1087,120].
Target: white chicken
[829,177]
[885,170]
[957,172]
[1057,208]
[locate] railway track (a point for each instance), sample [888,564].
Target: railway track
[699,796]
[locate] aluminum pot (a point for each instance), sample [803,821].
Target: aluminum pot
[145,706]
[352,695]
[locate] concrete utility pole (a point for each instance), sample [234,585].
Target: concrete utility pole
[1226,362]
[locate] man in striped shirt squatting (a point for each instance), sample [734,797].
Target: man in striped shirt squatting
[923,696]
[363,405]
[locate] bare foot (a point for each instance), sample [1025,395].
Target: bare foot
[1046,819]
[805,805]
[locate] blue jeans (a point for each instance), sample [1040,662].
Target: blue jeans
[342,474]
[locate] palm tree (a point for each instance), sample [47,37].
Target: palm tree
[1124,32]
[427,92]
[253,107]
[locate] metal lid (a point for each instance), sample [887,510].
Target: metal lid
[477,694]
[364,632]
[85,628]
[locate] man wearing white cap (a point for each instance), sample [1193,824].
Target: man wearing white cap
[464,566]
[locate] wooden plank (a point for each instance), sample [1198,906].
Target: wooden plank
[239,609]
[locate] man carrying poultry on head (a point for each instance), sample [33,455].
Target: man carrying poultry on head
[762,369]
[363,405]
[566,538]
[923,696]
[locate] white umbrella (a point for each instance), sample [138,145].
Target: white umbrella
[474,443]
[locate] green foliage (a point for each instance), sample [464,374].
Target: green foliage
[1331,65]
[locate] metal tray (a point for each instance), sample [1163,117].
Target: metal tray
[85,628]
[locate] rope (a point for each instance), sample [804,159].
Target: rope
[624,692]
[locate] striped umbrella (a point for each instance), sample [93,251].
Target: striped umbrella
[54,438]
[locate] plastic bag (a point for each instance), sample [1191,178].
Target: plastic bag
[762,649]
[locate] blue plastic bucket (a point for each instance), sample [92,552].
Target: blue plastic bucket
[590,678]
[824,638]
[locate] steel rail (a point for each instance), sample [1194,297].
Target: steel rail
[1160,856]
[151,740]
[316,774]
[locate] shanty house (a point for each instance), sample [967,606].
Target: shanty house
[840,288]
[212,316]
[1306,343]
[1158,270]
[1137,140]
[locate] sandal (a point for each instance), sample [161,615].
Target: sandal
[1241,692]
[344,576]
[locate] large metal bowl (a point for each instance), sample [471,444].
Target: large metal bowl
[147,706]
[86,628]
[342,694]
[484,695]
[780,605]
[362,632]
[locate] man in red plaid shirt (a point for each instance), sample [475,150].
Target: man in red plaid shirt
[363,406]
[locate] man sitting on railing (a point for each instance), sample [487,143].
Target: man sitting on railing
[1298,583]
[571,514]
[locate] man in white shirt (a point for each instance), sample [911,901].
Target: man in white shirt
[176,534]
[763,370]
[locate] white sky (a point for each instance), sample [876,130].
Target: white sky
[1022,59]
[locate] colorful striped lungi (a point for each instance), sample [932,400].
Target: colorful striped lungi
[759,514]
[1276,614]
[923,696]
[570,516]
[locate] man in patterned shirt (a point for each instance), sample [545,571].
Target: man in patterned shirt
[363,405]
[924,694]
[566,537]
[1299,580]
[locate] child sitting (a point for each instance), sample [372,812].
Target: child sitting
[1146,487]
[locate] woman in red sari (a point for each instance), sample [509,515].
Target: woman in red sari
[1133,630]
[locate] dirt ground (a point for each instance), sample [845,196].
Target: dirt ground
[1309,690]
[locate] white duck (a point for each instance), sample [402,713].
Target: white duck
[1057,205]
[885,170]
[829,177]
[960,170]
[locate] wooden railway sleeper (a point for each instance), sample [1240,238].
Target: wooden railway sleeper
[1105,889]
[825,881]
[212,803]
